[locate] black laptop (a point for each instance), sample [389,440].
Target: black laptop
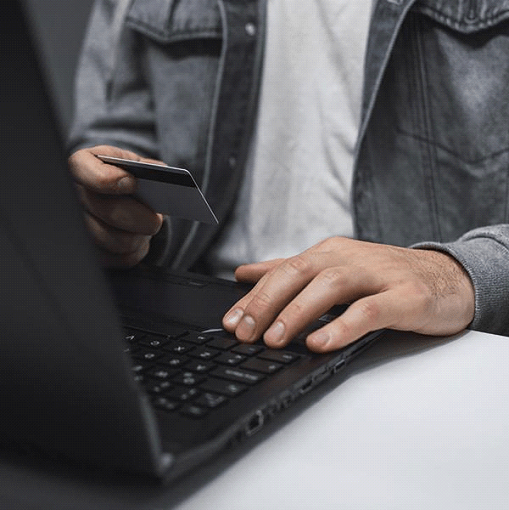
[126,371]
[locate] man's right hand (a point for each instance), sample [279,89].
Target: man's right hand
[121,226]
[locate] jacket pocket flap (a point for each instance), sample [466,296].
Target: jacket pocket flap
[466,16]
[172,20]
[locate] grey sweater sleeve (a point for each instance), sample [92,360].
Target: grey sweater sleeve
[484,253]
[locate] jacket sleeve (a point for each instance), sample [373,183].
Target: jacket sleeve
[112,98]
[484,253]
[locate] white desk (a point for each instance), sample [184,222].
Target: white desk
[429,430]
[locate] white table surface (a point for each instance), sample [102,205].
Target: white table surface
[422,430]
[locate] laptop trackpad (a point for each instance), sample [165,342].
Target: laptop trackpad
[184,298]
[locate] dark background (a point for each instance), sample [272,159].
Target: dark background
[60,26]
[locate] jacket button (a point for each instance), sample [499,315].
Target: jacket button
[250,29]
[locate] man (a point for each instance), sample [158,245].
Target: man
[262,102]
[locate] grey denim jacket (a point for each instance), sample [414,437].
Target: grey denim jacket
[178,80]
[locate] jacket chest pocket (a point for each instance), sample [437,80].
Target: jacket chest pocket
[444,97]
[461,48]
[456,56]
[182,41]
[171,21]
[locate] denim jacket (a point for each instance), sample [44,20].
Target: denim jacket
[178,80]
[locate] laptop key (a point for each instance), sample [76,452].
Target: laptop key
[178,347]
[161,374]
[247,349]
[261,365]
[226,388]
[210,400]
[193,411]
[188,379]
[278,356]
[204,353]
[184,394]
[200,367]
[139,378]
[198,338]
[140,366]
[159,388]
[173,331]
[222,342]
[237,375]
[165,404]
[172,360]
[130,349]
[133,336]
[146,355]
[229,358]
[153,341]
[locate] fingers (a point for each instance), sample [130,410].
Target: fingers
[331,286]
[115,241]
[253,272]
[121,212]
[279,284]
[372,313]
[120,225]
[258,272]
[94,175]
[301,296]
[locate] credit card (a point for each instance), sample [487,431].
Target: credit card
[166,189]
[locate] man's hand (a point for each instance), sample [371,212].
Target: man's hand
[424,291]
[120,225]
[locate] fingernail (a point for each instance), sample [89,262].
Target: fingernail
[320,339]
[233,318]
[246,328]
[274,335]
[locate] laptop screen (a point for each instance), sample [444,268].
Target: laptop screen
[66,385]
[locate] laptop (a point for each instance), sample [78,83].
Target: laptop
[127,371]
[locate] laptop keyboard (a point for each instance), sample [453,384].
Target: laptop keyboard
[193,373]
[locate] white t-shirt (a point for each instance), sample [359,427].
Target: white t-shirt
[297,186]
